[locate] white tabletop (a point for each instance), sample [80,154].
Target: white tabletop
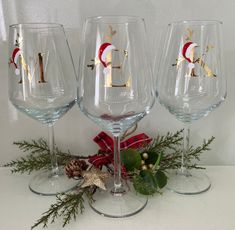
[212,210]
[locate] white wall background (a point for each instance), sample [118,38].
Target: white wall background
[74,130]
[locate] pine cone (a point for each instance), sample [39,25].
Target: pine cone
[75,167]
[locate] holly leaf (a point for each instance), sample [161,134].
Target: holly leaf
[161,179]
[131,159]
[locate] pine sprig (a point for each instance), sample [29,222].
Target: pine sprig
[38,158]
[170,141]
[173,160]
[195,153]
[39,146]
[29,163]
[33,146]
[37,162]
[68,206]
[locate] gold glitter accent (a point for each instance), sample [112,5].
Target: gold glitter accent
[208,71]
[179,61]
[125,53]
[206,68]
[189,36]
[208,47]
[94,177]
[25,67]
[108,78]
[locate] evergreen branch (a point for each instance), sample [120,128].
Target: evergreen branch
[33,146]
[195,153]
[70,209]
[68,206]
[195,166]
[30,163]
[173,160]
[40,146]
[37,162]
[170,141]
[165,152]
[38,158]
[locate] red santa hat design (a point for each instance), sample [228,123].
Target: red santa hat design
[15,56]
[187,48]
[104,50]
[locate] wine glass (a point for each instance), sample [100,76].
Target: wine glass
[190,85]
[115,91]
[42,85]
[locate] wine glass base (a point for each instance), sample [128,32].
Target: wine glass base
[119,205]
[48,184]
[188,182]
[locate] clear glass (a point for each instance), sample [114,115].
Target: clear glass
[191,83]
[42,85]
[115,91]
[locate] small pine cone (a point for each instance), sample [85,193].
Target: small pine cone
[75,167]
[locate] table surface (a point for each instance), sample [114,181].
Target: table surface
[212,210]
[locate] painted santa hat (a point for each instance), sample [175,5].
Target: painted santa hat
[187,48]
[15,56]
[104,49]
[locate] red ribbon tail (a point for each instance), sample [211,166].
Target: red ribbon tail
[104,141]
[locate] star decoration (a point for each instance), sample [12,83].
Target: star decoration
[94,177]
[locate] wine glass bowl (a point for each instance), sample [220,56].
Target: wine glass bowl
[110,70]
[191,84]
[115,91]
[42,85]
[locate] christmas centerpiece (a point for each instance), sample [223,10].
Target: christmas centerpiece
[145,165]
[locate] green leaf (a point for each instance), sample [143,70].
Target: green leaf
[143,186]
[131,159]
[161,179]
[149,178]
[147,183]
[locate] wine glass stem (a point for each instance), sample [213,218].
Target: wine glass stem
[186,136]
[51,141]
[118,188]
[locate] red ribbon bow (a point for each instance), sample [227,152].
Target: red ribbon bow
[105,143]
